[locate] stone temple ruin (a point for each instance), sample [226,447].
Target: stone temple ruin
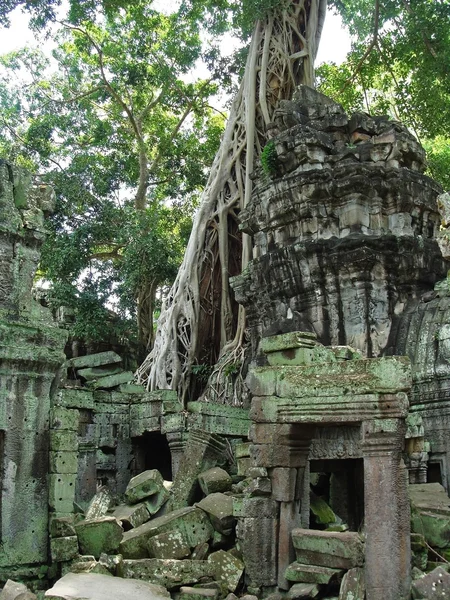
[332,483]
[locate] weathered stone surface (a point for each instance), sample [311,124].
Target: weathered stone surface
[64,548]
[214,480]
[99,505]
[131,516]
[111,562]
[99,535]
[219,509]
[90,586]
[144,485]
[62,527]
[12,589]
[94,360]
[419,551]
[303,591]
[195,593]
[220,419]
[430,513]
[168,573]
[328,549]
[171,544]
[311,574]
[156,501]
[353,585]
[193,523]
[227,569]
[432,586]
[93,373]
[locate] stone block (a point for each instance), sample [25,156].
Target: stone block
[244,465]
[94,360]
[99,505]
[353,585]
[12,589]
[169,573]
[284,484]
[61,488]
[64,418]
[259,486]
[171,544]
[419,552]
[64,548]
[192,522]
[73,398]
[131,516]
[195,593]
[62,527]
[63,441]
[322,513]
[214,480]
[93,586]
[430,513]
[155,502]
[303,591]
[111,562]
[242,450]
[432,586]
[227,569]
[288,341]
[328,549]
[257,537]
[63,462]
[144,485]
[99,535]
[312,574]
[219,509]
[111,381]
[93,373]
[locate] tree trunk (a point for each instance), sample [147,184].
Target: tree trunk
[200,322]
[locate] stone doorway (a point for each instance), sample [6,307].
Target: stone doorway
[151,451]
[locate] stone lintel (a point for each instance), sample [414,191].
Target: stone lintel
[350,409]
[287,341]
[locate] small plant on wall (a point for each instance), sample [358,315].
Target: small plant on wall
[269,159]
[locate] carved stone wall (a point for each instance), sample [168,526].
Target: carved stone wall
[344,229]
[31,351]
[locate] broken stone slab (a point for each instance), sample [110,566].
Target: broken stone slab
[219,509]
[91,586]
[227,569]
[353,586]
[99,535]
[167,572]
[62,527]
[192,522]
[214,480]
[131,516]
[155,502]
[311,573]
[323,514]
[111,381]
[432,586]
[171,544]
[99,505]
[91,566]
[303,591]
[200,552]
[93,373]
[12,589]
[64,548]
[111,562]
[94,360]
[144,485]
[328,549]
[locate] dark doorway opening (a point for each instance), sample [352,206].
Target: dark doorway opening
[340,484]
[151,451]
[434,473]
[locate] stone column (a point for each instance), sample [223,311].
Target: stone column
[177,444]
[386,507]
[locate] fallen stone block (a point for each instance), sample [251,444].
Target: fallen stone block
[303,591]
[311,573]
[433,586]
[91,586]
[171,544]
[430,513]
[99,535]
[111,562]
[419,551]
[328,549]
[157,501]
[62,527]
[200,552]
[111,381]
[353,585]
[12,589]
[64,548]
[99,505]
[323,514]
[214,480]
[92,566]
[219,509]
[93,373]
[195,593]
[169,573]
[227,569]
[192,522]
[144,485]
[131,516]
[94,360]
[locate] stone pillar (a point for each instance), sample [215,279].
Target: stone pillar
[387,512]
[177,445]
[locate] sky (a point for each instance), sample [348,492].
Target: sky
[334,45]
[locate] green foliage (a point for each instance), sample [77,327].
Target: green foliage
[232,369]
[269,159]
[202,372]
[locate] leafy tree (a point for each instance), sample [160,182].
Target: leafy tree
[117,119]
